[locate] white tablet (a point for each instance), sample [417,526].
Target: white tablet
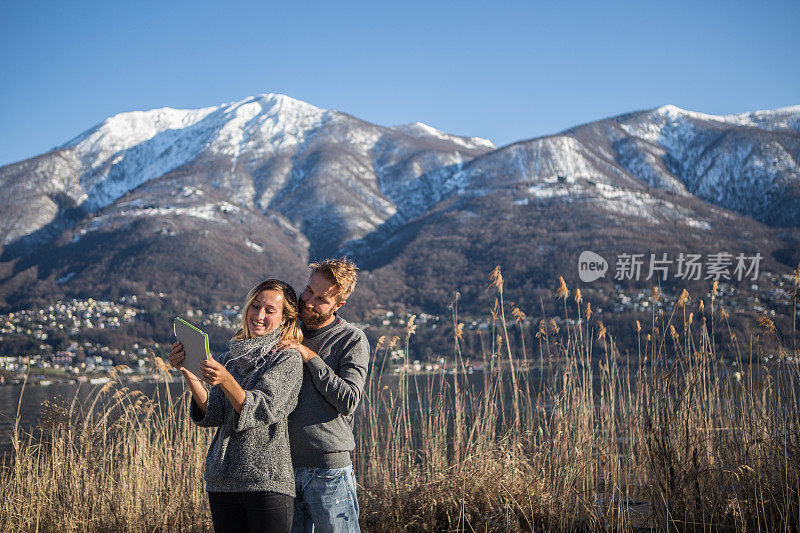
[195,345]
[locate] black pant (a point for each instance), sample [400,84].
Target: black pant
[251,511]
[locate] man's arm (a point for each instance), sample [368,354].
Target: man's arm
[342,390]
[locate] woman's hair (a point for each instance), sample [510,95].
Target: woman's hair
[291,331]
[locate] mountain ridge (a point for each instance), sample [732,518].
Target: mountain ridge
[281,182]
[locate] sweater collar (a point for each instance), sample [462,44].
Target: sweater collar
[314,332]
[246,352]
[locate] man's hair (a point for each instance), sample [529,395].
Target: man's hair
[341,272]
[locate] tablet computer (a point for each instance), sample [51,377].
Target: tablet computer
[195,345]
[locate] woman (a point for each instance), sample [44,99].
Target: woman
[248,471]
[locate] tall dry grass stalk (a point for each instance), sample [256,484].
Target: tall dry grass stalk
[578,438]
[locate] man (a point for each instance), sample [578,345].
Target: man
[336,355]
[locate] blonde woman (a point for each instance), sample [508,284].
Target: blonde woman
[248,470]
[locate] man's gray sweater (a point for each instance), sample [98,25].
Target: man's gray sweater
[321,427]
[250,451]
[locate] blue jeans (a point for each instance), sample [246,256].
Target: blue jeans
[326,500]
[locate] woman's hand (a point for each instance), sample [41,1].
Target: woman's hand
[214,373]
[176,355]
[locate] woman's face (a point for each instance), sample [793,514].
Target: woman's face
[265,314]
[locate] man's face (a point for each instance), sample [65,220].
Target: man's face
[318,302]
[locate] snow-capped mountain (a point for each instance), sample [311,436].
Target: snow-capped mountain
[270,152]
[274,181]
[744,163]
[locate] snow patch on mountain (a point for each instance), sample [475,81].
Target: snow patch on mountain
[647,163]
[265,125]
[785,117]
[559,158]
[548,191]
[679,130]
[125,130]
[420,130]
[208,212]
[644,206]
[131,148]
[257,247]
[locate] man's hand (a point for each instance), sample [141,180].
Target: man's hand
[306,353]
[214,373]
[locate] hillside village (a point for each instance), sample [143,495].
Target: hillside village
[60,342]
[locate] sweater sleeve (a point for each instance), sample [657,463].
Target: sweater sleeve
[343,389]
[215,414]
[215,404]
[274,395]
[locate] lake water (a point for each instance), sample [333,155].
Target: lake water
[34,397]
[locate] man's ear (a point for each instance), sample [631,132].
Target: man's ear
[340,304]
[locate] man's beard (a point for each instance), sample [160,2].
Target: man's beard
[311,318]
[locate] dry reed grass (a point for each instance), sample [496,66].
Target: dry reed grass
[674,439]
[570,437]
[119,462]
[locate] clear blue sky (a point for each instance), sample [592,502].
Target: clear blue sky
[503,70]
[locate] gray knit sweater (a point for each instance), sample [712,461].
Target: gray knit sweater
[321,427]
[250,451]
